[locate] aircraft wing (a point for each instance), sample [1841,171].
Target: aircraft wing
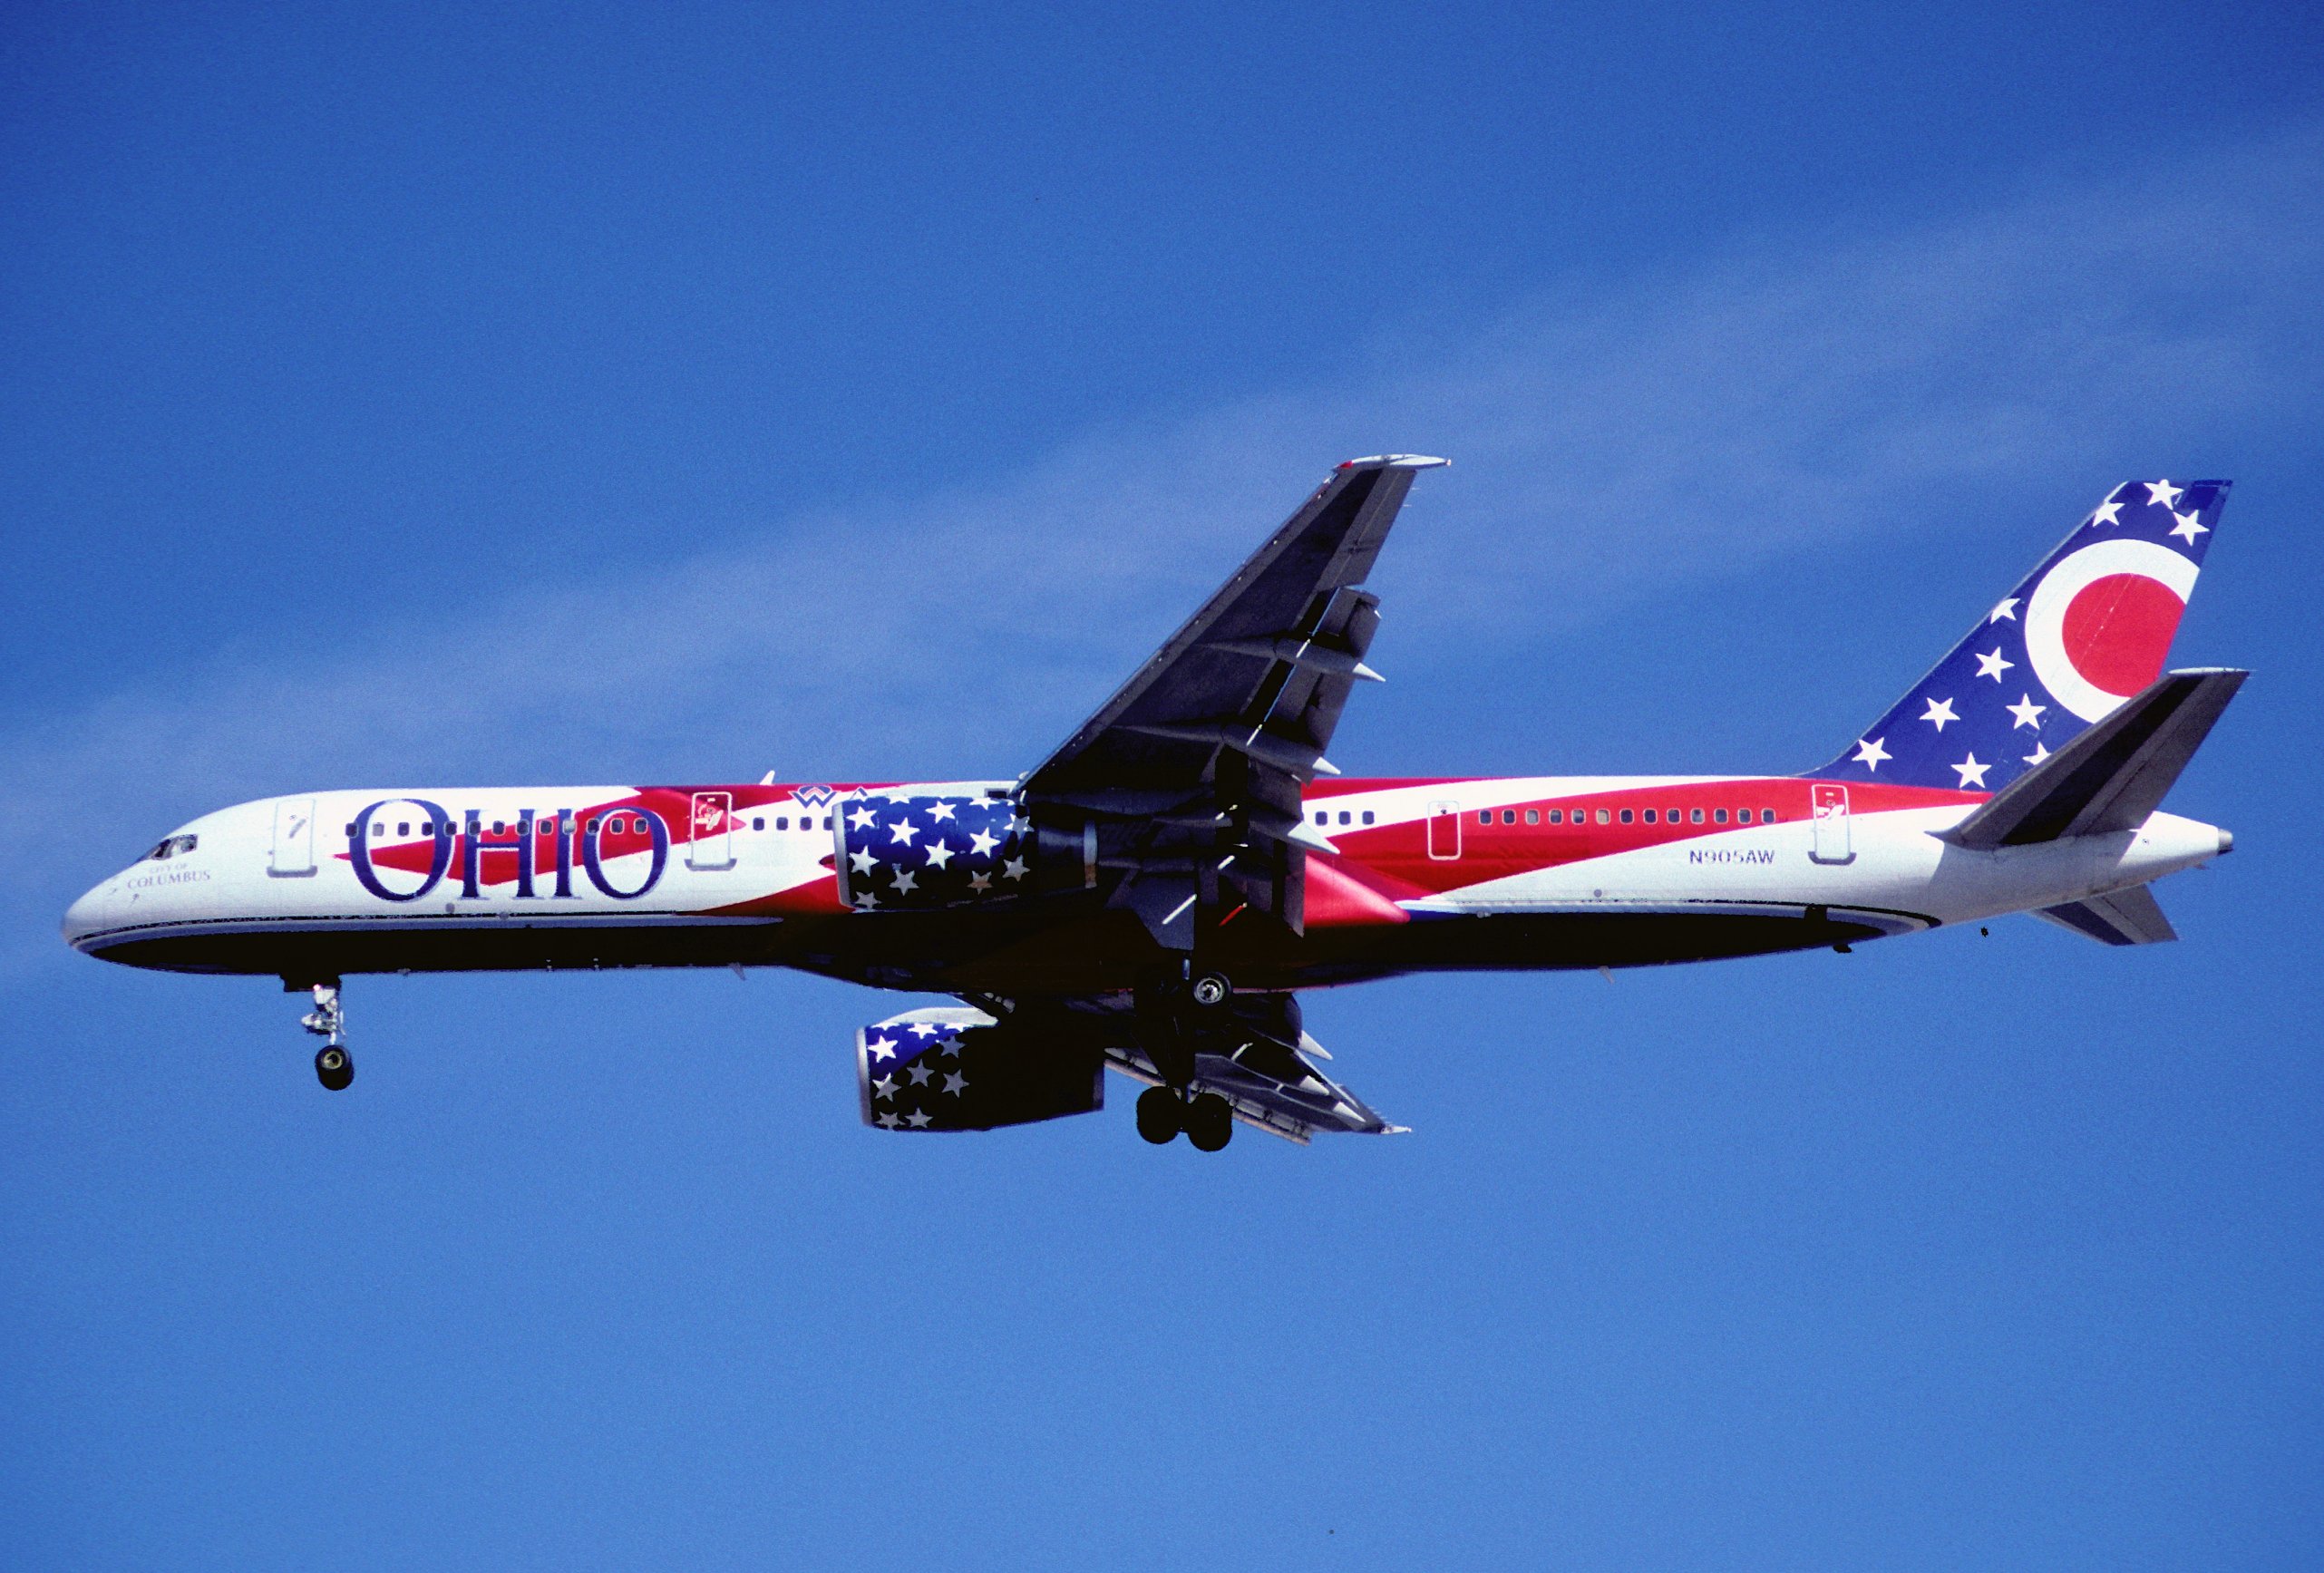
[1207,745]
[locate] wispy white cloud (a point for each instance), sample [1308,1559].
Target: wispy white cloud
[1690,425]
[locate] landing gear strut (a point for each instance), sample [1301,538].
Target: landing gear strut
[328,1021]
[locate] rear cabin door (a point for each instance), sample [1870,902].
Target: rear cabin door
[1444,831]
[712,844]
[1830,801]
[294,848]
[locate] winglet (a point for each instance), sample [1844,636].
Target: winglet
[1394,462]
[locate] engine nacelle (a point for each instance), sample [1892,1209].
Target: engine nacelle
[916,854]
[951,1068]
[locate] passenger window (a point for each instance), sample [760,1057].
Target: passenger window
[1367,816]
[1343,816]
[1509,816]
[1626,815]
[1484,816]
[591,828]
[1766,815]
[782,823]
[1532,816]
[1649,816]
[758,824]
[1719,815]
[1602,816]
[827,821]
[1694,816]
[351,830]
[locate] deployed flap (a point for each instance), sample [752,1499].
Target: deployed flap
[2112,776]
[2131,917]
[1272,1086]
[1262,669]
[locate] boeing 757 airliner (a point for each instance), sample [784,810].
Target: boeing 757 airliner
[1153,896]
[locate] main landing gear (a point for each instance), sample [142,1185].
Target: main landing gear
[328,1021]
[1163,1112]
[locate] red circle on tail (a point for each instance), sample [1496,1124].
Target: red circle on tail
[2117,631]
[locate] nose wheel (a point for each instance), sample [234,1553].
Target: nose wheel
[328,1021]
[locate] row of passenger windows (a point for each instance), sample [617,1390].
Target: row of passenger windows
[614,825]
[1651,816]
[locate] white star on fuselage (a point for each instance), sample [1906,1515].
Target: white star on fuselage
[2163,492]
[1972,773]
[1992,665]
[1869,753]
[2041,753]
[938,854]
[2008,610]
[2028,713]
[1940,711]
[2189,526]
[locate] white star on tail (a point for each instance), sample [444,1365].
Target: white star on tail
[917,1122]
[2189,527]
[2107,512]
[2006,611]
[2028,713]
[1940,711]
[1993,666]
[1869,753]
[2163,491]
[1972,773]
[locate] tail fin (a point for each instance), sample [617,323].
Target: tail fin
[2085,631]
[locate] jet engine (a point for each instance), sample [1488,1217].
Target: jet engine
[951,1068]
[908,854]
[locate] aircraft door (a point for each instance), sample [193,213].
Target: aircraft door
[711,843]
[1829,799]
[294,846]
[1444,831]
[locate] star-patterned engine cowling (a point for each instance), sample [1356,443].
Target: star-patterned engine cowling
[955,1068]
[2085,630]
[918,853]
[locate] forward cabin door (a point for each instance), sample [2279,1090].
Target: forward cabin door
[712,844]
[294,848]
[1444,831]
[1830,802]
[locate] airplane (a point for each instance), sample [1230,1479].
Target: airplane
[1154,896]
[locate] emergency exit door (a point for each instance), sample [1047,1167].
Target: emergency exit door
[294,848]
[1444,831]
[1829,800]
[712,844]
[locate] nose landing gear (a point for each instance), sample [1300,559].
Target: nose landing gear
[328,1021]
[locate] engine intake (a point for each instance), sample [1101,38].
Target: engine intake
[951,1068]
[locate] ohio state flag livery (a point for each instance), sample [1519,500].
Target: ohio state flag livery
[2083,631]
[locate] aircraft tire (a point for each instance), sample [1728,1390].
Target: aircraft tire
[1158,1115]
[1209,1123]
[1213,991]
[333,1068]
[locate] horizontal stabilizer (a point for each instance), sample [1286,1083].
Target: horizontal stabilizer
[2131,917]
[2110,777]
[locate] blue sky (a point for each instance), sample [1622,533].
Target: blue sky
[592,394]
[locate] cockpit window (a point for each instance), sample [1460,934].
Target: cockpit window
[175,847]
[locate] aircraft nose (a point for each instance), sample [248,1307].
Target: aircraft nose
[89,914]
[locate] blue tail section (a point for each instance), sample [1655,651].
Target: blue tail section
[2085,630]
